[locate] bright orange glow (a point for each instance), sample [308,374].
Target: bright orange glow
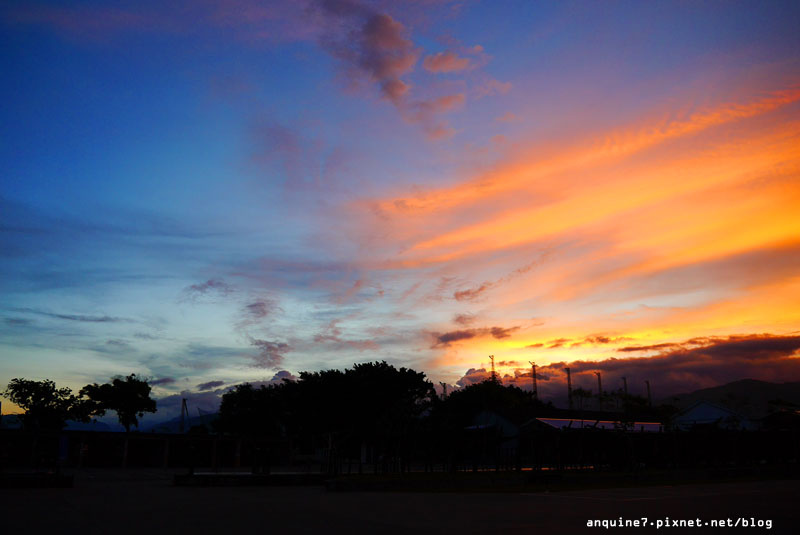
[653,233]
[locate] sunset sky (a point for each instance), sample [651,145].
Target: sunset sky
[209,192]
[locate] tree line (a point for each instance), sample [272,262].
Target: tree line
[49,408]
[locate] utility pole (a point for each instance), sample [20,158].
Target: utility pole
[569,388]
[444,389]
[625,386]
[599,390]
[184,414]
[533,378]
[649,399]
[494,377]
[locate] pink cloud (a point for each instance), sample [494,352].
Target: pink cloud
[445,62]
[492,87]
[507,117]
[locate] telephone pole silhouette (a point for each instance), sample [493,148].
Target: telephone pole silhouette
[533,378]
[569,388]
[184,414]
[599,390]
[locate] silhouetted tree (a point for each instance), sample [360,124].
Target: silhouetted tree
[128,396]
[46,407]
[371,404]
[250,411]
[510,401]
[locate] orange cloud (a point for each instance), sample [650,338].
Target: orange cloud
[681,224]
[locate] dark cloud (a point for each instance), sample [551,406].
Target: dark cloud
[464,319]
[376,46]
[445,339]
[18,321]
[211,286]
[502,332]
[533,346]
[256,311]
[474,376]
[690,365]
[371,43]
[73,317]
[473,293]
[284,375]
[162,381]
[509,363]
[210,385]
[271,354]
[558,342]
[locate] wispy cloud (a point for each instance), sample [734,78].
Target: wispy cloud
[162,381]
[84,318]
[210,385]
[211,287]
[442,340]
[442,62]
[270,353]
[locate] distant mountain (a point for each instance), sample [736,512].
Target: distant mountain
[13,421]
[749,397]
[94,425]
[174,425]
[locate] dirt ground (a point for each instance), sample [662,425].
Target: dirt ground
[142,501]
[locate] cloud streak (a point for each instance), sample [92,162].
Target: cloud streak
[82,318]
[693,365]
[442,340]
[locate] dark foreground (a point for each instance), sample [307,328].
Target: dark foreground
[141,501]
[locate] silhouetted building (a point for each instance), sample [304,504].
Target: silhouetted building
[706,414]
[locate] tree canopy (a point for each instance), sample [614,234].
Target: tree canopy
[128,396]
[46,407]
[371,399]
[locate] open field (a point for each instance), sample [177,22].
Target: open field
[145,501]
